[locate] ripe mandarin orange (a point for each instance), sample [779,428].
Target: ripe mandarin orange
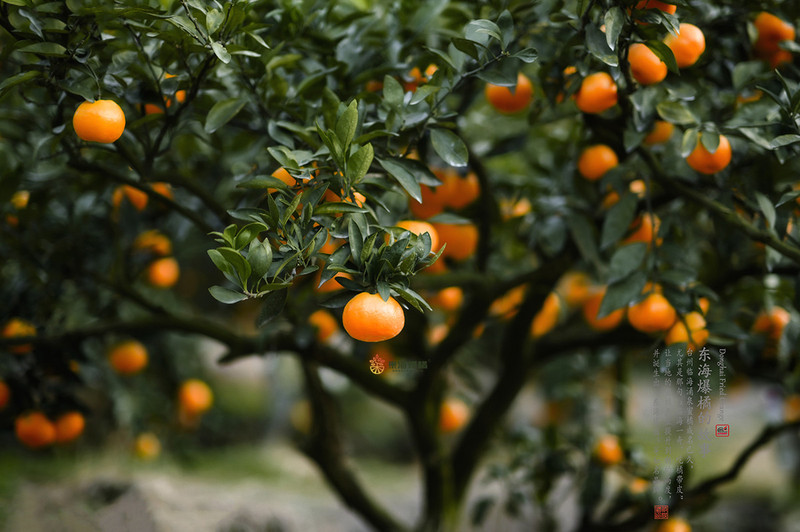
[596,160]
[653,314]
[453,415]
[503,100]
[367,317]
[153,241]
[128,357]
[674,524]
[597,93]
[195,397]
[99,121]
[608,451]
[284,175]
[448,299]
[164,189]
[646,67]
[547,318]
[147,446]
[138,198]
[696,329]
[661,132]
[163,272]
[34,430]
[574,287]
[20,199]
[771,31]
[331,285]
[16,327]
[461,240]
[687,46]
[69,426]
[431,204]
[325,324]
[591,308]
[656,4]
[645,227]
[772,322]
[708,163]
[458,192]
[508,304]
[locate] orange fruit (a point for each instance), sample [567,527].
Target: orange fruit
[325,324]
[591,308]
[153,109]
[503,100]
[163,272]
[638,187]
[653,314]
[779,58]
[195,397]
[448,299]
[34,430]
[638,485]
[596,160]
[431,205]
[180,95]
[419,228]
[413,79]
[656,4]
[703,303]
[373,85]
[646,67]
[791,408]
[331,245]
[331,285]
[164,189]
[772,323]
[69,426]
[458,192]
[696,329]
[5,395]
[644,228]
[284,175]
[437,333]
[147,446]
[138,198]
[453,415]
[514,209]
[461,240]
[507,305]
[128,357]
[597,93]
[610,199]
[574,287]
[153,241]
[16,327]
[771,31]
[608,451]
[675,524]
[20,199]
[547,318]
[367,317]
[706,162]
[687,46]
[661,132]
[99,121]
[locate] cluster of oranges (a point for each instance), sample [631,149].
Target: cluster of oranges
[35,430]
[163,271]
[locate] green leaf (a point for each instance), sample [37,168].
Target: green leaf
[664,53]
[618,220]
[598,46]
[392,91]
[214,19]
[223,112]
[22,77]
[221,52]
[404,173]
[676,113]
[358,164]
[258,39]
[710,141]
[614,20]
[483,27]
[219,261]
[449,147]
[186,25]
[689,141]
[263,182]
[271,307]
[240,265]
[247,234]
[767,208]
[527,55]
[467,47]
[223,295]
[356,241]
[45,48]
[783,140]
[346,125]
[621,293]
[21,3]
[337,207]
[582,230]
[505,23]
[626,260]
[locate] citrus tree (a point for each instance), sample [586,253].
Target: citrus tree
[498,194]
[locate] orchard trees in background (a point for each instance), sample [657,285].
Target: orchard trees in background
[513,193]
